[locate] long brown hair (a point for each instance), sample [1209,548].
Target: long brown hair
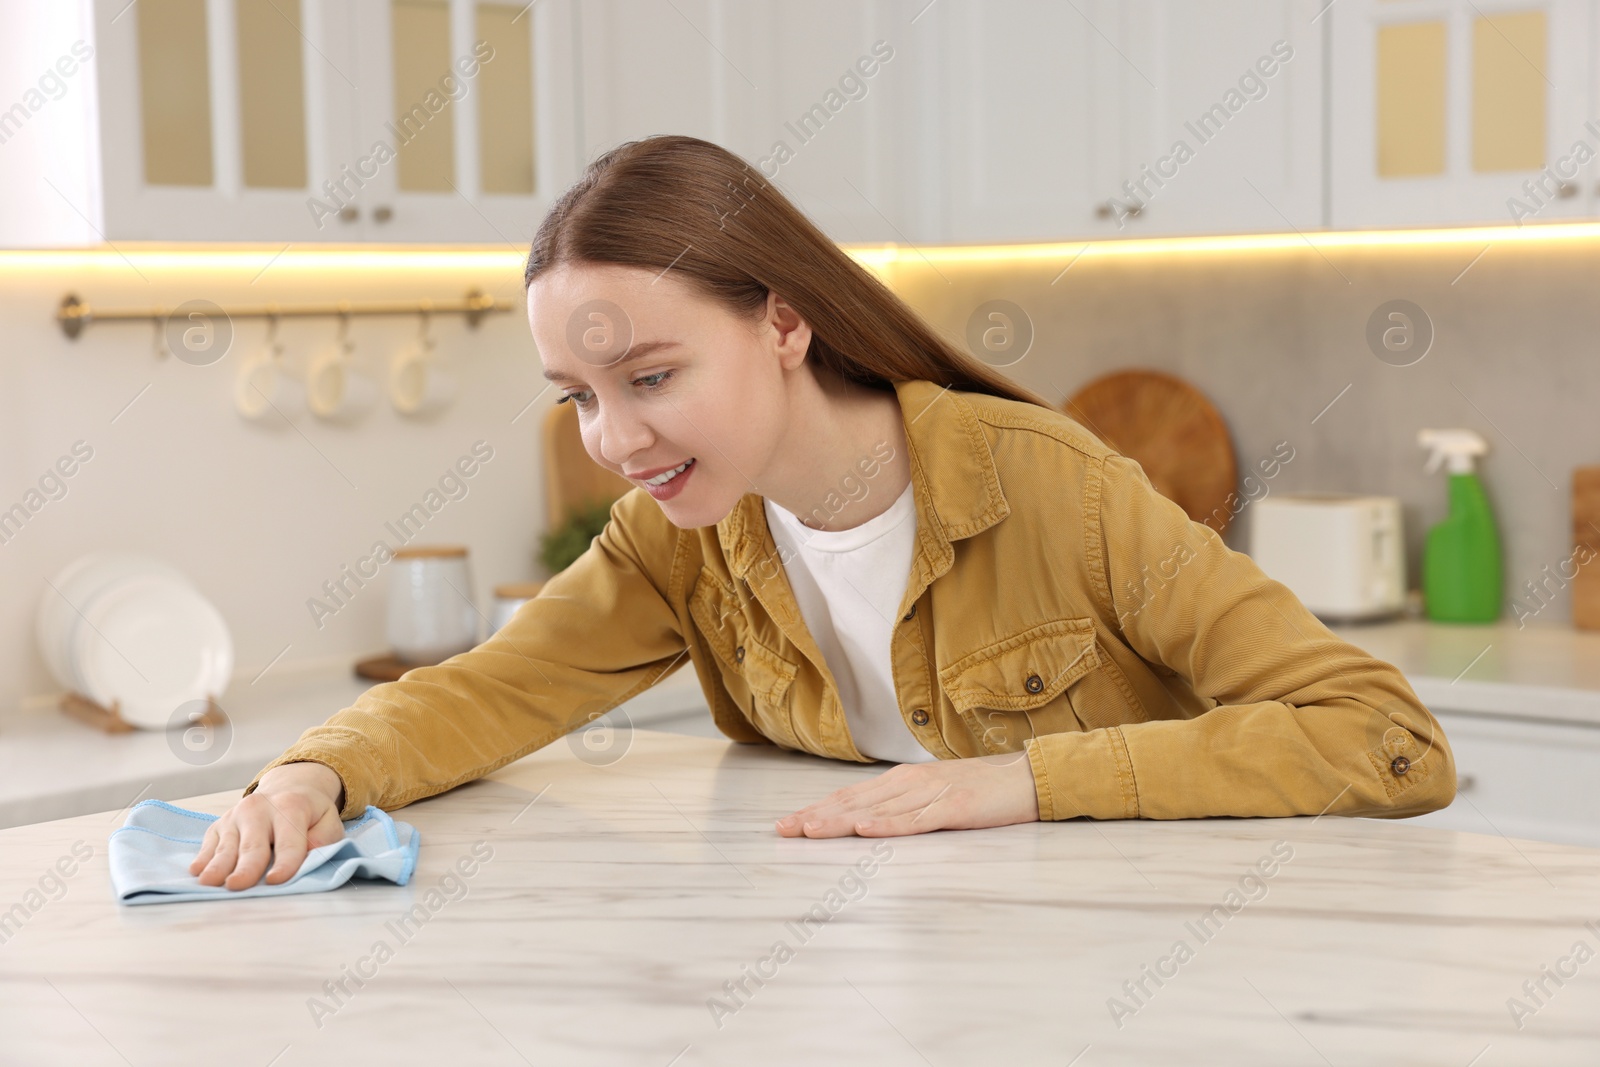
[681,203]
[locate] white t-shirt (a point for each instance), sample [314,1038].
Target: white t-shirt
[849,584]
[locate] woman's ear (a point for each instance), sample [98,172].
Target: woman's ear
[791,333]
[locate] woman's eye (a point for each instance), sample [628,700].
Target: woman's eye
[649,382]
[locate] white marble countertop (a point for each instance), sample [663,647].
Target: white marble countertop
[1544,671]
[617,901]
[53,766]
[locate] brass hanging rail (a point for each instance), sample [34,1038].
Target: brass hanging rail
[75,313]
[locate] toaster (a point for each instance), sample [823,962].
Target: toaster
[1342,554]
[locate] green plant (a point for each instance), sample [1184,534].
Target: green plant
[561,546]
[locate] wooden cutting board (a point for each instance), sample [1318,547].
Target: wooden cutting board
[571,478]
[1172,431]
[1585,531]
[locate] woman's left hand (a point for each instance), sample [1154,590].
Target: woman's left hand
[913,798]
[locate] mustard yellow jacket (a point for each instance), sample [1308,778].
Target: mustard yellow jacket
[1057,605]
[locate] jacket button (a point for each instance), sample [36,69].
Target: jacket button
[907,616]
[738,654]
[1034,683]
[919,717]
[1399,765]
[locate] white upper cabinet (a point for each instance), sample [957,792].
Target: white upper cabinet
[1222,102]
[1017,150]
[210,121]
[908,121]
[462,126]
[1126,119]
[297,121]
[820,97]
[1451,112]
[831,115]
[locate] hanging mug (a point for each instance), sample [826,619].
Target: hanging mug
[335,389]
[264,390]
[419,382]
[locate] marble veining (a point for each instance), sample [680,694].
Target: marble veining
[565,913]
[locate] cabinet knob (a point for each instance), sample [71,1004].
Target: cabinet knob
[1106,208]
[349,213]
[382,213]
[1466,783]
[1567,190]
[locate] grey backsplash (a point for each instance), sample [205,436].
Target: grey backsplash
[1274,336]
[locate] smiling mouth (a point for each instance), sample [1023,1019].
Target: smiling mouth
[666,476]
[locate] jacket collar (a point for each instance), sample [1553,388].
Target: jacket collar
[953,478]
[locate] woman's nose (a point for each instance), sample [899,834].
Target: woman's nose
[622,436]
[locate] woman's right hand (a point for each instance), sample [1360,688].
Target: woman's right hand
[294,809]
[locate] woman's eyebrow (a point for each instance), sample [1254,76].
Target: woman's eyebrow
[638,351]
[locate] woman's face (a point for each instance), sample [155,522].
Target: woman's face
[662,376]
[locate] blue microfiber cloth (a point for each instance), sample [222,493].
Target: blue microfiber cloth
[151,852]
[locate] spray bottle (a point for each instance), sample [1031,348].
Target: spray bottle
[1461,562]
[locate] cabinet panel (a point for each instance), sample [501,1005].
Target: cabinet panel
[1447,112]
[829,118]
[262,130]
[1018,133]
[434,75]
[423,84]
[817,96]
[1522,779]
[175,92]
[272,94]
[1225,113]
[506,123]
[650,66]
[282,120]
[1136,119]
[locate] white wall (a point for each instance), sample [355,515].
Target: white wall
[258,517]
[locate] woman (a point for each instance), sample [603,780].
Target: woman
[870,546]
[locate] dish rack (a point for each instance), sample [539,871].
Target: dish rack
[110,720]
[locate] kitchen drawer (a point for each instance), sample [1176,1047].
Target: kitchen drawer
[1522,779]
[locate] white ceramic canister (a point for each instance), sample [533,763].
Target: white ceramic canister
[508,597]
[431,612]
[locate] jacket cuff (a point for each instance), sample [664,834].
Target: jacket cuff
[1083,774]
[335,759]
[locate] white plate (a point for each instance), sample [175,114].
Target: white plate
[74,586]
[152,643]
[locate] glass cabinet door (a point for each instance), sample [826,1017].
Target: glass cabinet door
[1446,111]
[215,118]
[456,98]
[332,120]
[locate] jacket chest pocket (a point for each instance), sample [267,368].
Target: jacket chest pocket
[1049,678]
[758,677]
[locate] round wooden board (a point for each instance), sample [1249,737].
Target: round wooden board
[385,668]
[1172,431]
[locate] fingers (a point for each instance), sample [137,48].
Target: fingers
[829,807]
[208,848]
[327,829]
[293,843]
[263,829]
[255,850]
[224,852]
[289,849]
[889,807]
[959,794]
